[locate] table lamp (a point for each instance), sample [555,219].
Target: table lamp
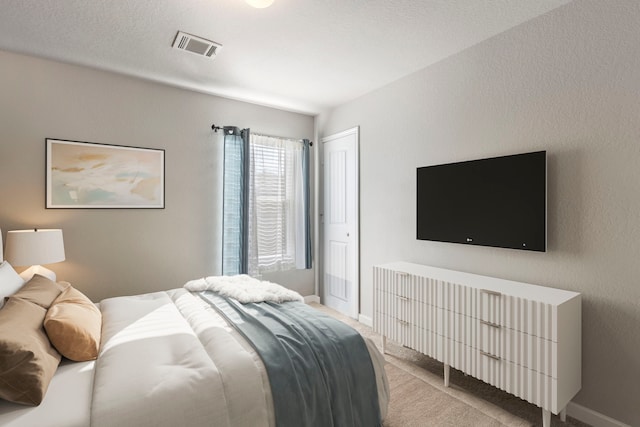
[32,248]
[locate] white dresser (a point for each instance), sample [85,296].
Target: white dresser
[522,338]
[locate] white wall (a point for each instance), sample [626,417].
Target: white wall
[125,251]
[567,82]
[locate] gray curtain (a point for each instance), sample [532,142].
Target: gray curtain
[307,196]
[235,201]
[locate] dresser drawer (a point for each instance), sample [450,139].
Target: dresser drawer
[532,317]
[400,331]
[458,298]
[394,282]
[428,342]
[403,308]
[457,354]
[458,327]
[517,347]
[427,317]
[397,306]
[530,385]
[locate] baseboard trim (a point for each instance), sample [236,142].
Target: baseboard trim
[312,298]
[591,417]
[365,320]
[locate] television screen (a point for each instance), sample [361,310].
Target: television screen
[499,202]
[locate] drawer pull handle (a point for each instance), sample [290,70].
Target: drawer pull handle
[401,273]
[490,292]
[403,298]
[493,356]
[403,322]
[493,325]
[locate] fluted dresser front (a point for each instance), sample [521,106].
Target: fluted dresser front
[522,338]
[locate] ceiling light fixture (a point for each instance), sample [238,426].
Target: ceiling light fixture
[260,4]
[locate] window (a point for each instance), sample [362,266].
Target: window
[266,204]
[275,195]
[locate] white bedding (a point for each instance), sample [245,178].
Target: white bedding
[166,359]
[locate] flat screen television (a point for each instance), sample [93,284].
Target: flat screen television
[499,202]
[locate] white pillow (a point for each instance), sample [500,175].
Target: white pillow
[10,281]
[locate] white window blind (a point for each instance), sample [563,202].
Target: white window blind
[276,208]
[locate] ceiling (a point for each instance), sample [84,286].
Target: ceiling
[297,55]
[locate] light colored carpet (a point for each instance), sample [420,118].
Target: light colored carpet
[419,398]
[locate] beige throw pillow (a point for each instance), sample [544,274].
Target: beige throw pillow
[41,291]
[73,324]
[27,359]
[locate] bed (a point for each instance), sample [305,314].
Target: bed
[197,356]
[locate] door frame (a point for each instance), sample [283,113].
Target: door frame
[355,306]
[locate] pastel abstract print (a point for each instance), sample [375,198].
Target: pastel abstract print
[88,175]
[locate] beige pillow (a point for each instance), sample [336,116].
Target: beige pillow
[73,324]
[41,291]
[27,359]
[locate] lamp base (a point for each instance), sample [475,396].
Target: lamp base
[37,269]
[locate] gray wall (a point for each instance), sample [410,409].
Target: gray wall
[125,251]
[567,82]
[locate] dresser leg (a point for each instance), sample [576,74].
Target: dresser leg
[446,375]
[563,415]
[546,418]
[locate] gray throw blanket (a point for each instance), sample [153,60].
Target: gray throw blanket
[319,369]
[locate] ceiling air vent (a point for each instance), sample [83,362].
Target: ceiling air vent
[196,45]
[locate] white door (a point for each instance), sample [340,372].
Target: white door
[341,276]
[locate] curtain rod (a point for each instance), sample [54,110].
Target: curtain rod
[217,128]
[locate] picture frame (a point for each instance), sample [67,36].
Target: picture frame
[88,175]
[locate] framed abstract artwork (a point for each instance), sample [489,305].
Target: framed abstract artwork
[89,175]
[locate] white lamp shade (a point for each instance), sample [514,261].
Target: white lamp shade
[34,247]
